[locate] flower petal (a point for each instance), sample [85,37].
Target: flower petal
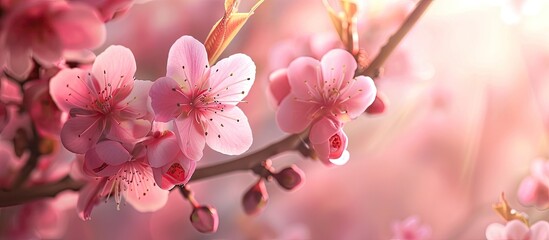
[95,165]
[176,173]
[540,230]
[341,160]
[78,26]
[128,131]
[49,51]
[81,133]
[89,197]
[323,129]
[279,85]
[162,151]
[71,88]
[293,116]
[338,66]
[190,137]
[112,152]
[232,78]
[358,95]
[19,63]
[137,104]
[516,229]
[155,197]
[495,231]
[228,132]
[187,62]
[304,73]
[165,100]
[114,69]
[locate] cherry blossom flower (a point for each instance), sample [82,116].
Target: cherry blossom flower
[517,230]
[42,29]
[120,173]
[202,100]
[325,95]
[111,9]
[534,189]
[46,116]
[104,102]
[410,229]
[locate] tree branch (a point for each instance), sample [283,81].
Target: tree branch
[24,195]
[373,69]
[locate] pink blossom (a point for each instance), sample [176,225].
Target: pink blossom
[517,230]
[46,116]
[534,189]
[325,95]
[110,9]
[104,102]
[410,229]
[202,100]
[42,29]
[120,173]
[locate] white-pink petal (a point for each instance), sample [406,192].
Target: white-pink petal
[114,70]
[112,153]
[190,137]
[81,133]
[71,88]
[358,95]
[232,78]
[304,76]
[155,197]
[323,129]
[137,104]
[338,66]
[165,99]
[228,131]
[162,151]
[294,115]
[188,62]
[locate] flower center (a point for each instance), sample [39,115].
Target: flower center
[177,172]
[335,143]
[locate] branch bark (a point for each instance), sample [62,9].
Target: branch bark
[23,195]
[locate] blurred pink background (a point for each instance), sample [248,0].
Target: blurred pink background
[469,93]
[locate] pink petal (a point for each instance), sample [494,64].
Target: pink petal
[114,69]
[540,230]
[323,129]
[112,152]
[341,160]
[528,190]
[338,65]
[128,131]
[279,85]
[338,145]
[155,198]
[358,95]
[49,51]
[164,99]
[187,62]
[303,75]
[71,88]
[516,229]
[137,104]
[228,132]
[190,137]
[495,231]
[162,181]
[89,197]
[78,26]
[95,165]
[81,133]
[163,150]
[293,116]
[19,63]
[322,151]
[231,78]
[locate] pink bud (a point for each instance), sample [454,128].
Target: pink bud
[256,198]
[379,105]
[205,219]
[290,178]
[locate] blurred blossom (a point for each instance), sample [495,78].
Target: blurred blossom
[517,230]
[411,229]
[534,189]
[202,100]
[41,29]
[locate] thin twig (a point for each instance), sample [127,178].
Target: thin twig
[373,69]
[24,195]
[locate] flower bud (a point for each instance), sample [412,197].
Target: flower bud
[290,178]
[256,198]
[205,219]
[379,105]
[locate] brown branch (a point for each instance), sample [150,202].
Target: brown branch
[247,162]
[24,195]
[373,69]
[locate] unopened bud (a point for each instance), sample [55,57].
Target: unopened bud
[256,198]
[290,178]
[205,219]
